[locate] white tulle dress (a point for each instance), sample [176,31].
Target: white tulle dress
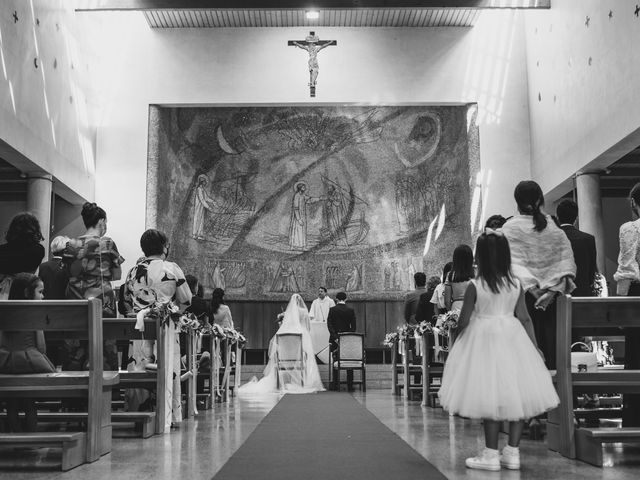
[493,370]
[295,320]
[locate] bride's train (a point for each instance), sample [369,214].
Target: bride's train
[298,376]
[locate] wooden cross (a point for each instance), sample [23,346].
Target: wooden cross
[313,45]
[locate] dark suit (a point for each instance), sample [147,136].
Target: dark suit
[341,319]
[424,310]
[55,278]
[584,254]
[411,300]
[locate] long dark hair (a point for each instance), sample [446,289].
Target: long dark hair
[635,194]
[92,214]
[462,269]
[493,258]
[529,198]
[24,229]
[217,299]
[24,286]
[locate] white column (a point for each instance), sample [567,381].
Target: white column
[590,211]
[39,187]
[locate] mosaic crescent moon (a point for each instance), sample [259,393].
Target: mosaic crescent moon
[224,145]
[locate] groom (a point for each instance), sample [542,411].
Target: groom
[341,319]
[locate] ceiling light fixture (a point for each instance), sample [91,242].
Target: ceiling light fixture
[312,14]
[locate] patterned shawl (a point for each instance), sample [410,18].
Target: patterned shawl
[543,259]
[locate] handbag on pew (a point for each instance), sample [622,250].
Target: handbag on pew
[583,361]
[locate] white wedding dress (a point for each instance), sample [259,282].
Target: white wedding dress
[295,320]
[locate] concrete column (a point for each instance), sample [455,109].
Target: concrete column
[39,187]
[590,212]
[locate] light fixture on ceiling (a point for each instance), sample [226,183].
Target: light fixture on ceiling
[312,14]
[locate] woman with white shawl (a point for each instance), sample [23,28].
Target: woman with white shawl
[291,380]
[542,259]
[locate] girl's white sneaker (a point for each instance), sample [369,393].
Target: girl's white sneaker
[489,459]
[510,458]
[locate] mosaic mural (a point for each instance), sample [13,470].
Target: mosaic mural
[265,201]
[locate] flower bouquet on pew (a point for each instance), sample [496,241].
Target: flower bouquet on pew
[166,312]
[390,339]
[424,327]
[446,323]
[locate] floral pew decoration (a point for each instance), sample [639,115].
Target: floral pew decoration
[444,333]
[172,321]
[234,342]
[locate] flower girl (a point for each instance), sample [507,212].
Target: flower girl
[494,371]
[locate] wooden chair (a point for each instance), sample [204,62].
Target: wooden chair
[563,435]
[290,355]
[350,356]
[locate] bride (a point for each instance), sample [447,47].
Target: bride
[295,320]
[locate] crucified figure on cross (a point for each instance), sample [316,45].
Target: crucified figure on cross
[313,45]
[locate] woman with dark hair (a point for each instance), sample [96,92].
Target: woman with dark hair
[459,277]
[542,261]
[495,221]
[24,352]
[23,251]
[221,313]
[627,277]
[154,279]
[93,262]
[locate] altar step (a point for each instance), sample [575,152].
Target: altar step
[378,376]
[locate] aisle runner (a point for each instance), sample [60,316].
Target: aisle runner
[324,436]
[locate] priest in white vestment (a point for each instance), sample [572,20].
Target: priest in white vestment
[320,306]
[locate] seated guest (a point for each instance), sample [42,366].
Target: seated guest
[411,298]
[53,273]
[24,352]
[22,252]
[459,277]
[154,279]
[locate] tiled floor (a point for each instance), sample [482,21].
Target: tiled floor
[199,448]
[446,441]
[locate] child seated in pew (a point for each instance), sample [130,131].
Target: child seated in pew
[494,371]
[24,352]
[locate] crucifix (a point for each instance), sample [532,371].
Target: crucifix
[313,45]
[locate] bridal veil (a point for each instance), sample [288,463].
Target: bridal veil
[289,379]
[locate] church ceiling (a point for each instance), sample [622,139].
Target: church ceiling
[292,13]
[347,17]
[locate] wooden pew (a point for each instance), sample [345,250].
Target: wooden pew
[124,329]
[429,372]
[406,368]
[93,385]
[586,313]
